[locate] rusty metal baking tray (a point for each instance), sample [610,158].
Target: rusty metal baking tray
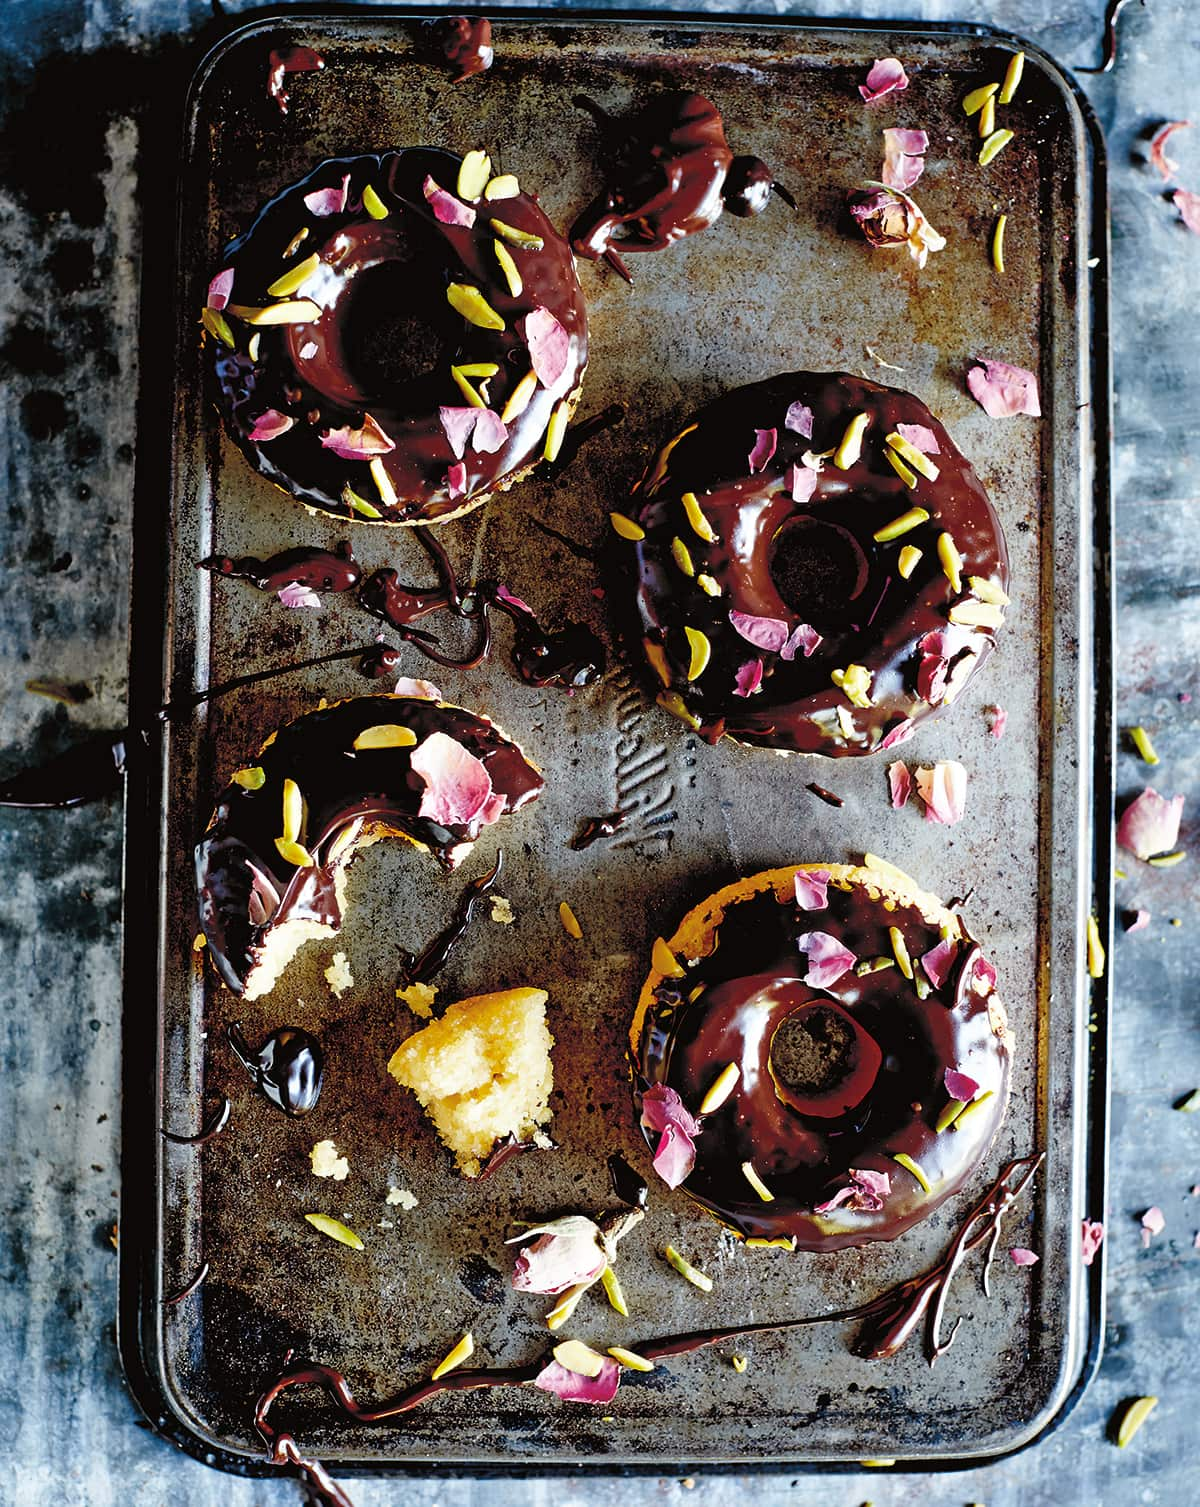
[741,302]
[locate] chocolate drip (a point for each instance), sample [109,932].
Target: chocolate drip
[87,772]
[213,1126]
[504,1151]
[288,1069]
[465,42]
[628,1185]
[825,795]
[285,60]
[593,828]
[578,436]
[434,956]
[318,569]
[188,1289]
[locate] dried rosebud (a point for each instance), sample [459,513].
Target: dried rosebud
[888,217]
[567,1252]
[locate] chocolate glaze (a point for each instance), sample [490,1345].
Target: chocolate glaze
[504,1151]
[288,1069]
[465,42]
[628,1185]
[213,1126]
[318,569]
[668,173]
[877,1094]
[825,795]
[341,787]
[87,772]
[386,336]
[285,60]
[814,562]
[433,957]
[171,1299]
[593,828]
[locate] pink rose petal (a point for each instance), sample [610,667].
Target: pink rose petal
[358,444]
[1022,1257]
[981,974]
[549,345]
[328,201]
[664,1112]
[828,960]
[493,809]
[886,75]
[999,716]
[1136,920]
[748,678]
[269,426]
[446,208]
[456,481]
[567,1252]
[803,636]
[504,595]
[802,483]
[662,1106]
[294,594]
[457,784]
[765,441]
[1188,205]
[903,157]
[894,736]
[937,963]
[1153,1223]
[770,633]
[423,690]
[799,419]
[458,424]
[571,1387]
[932,671]
[899,784]
[944,791]
[812,886]
[490,432]
[959,1086]
[920,437]
[1158,156]
[1093,1236]
[1002,390]
[865,1192]
[674,1157]
[220,289]
[1150,824]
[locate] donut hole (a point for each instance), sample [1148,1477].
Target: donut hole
[822,1060]
[393,331]
[819,569]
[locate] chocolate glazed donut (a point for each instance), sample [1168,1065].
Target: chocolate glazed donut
[842,1105]
[818,568]
[371,298]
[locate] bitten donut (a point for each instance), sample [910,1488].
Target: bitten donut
[818,568]
[271,866]
[396,337]
[820,1055]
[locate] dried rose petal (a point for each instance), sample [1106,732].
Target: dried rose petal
[1093,1236]
[328,201]
[571,1387]
[888,217]
[765,441]
[903,157]
[959,1086]
[504,595]
[308,350]
[568,1251]
[1136,920]
[458,424]
[802,483]
[674,1157]
[358,444]
[886,75]
[803,636]
[294,594]
[770,633]
[457,784]
[981,973]
[456,481]
[828,960]
[894,736]
[269,426]
[1153,1223]
[812,886]
[932,672]
[1023,1257]
[549,345]
[1150,824]
[748,678]
[423,690]
[937,963]
[220,289]
[490,432]
[920,437]
[662,1106]
[999,716]
[865,1192]
[664,1112]
[944,791]
[899,783]
[1002,390]
[799,419]
[446,208]
[1166,166]
[1188,205]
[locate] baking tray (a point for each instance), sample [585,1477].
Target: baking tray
[738,303]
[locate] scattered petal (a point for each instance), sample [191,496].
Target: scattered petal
[960,1086]
[674,1157]
[886,75]
[1188,205]
[888,217]
[920,437]
[490,432]
[944,791]
[999,719]
[662,1106]
[568,1251]
[899,783]
[828,960]
[571,1387]
[770,633]
[1022,1257]
[1153,1223]
[269,426]
[424,690]
[1158,157]
[802,483]
[765,441]
[457,784]
[663,1111]
[901,733]
[937,963]
[294,594]
[549,345]
[458,424]
[812,887]
[748,678]
[903,157]
[504,595]
[456,481]
[328,201]
[803,636]
[1136,920]
[220,290]
[358,444]
[933,669]
[865,1192]
[1150,824]
[446,208]
[799,419]
[1093,1236]
[1002,390]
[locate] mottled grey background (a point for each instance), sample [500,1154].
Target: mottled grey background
[73,74]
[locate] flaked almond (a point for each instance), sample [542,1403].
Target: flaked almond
[504,186]
[574,1355]
[664,961]
[570,921]
[358,504]
[373,204]
[977,98]
[519,398]
[626,527]
[998,244]
[986,591]
[250,779]
[292,852]
[293,811]
[656,655]
[971,614]
[630,1359]
[908,560]
[708,585]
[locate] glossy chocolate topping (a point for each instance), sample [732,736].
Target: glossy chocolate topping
[382,337]
[831,1079]
[288,1069]
[247,889]
[465,42]
[318,569]
[813,563]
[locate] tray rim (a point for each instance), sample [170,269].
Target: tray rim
[139,1354]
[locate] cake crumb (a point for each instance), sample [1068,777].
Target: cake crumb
[502,910]
[338,975]
[401,1196]
[419,998]
[327,1163]
[387,1224]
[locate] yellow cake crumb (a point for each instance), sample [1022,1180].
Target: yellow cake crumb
[419,998]
[327,1163]
[338,975]
[402,1197]
[502,910]
[482,1072]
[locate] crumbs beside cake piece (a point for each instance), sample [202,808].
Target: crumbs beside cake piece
[327,1163]
[502,910]
[401,1196]
[419,998]
[338,975]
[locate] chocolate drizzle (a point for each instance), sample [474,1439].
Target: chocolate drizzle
[213,1126]
[593,828]
[434,956]
[318,569]
[465,42]
[288,1069]
[171,1299]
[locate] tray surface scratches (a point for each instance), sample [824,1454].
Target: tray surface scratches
[738,303]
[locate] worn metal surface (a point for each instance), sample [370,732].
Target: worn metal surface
[74,73]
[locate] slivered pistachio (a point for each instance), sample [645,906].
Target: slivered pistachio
[739,1364]
[505,186]
[757,1183]
[630,1359]
[779,1243]
[473,174]
[383,482]
[293,853]
[250,779]
[386,735]
[293,311]
[626,527]
[295,277]
[673,702]
[253,345]
[345,840]
[909,1165]
[360,504]
[993,146]
[700,524]
[1167,860]
[845,723]
[855,681]
[373,204]
[873,965]
[987,591]
[566,1305]
[516,237]
[969,614]
[511,275]
[574,1355]
[657,657]
[613,1291]
[694,994]
[707,584]
[686,1270]
[720,1088]
[468,301]
[556,431]
[987,116]
[664,961]
[293,811]
[1134,1416]
[848,452]
[909,559]
[902,525]
[295,243]
[464,1350]
[998,244]
[459,378]
[979,97]
[971,1108]
[1012,78]
[1140,739]
[217,326]
[479,368]
[950,1112]
[682,556]
[701,652]
[951,561]
[921,985]
[1095,949]
[900,951]
[917,459]
[907,476]
[518,399]
[570,921]
[336,1230]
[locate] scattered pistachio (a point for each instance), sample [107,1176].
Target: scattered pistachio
[217,326]
[950,1112]
[972,1108]
[630,1359]
[848,452]
[1190,1103]
[909,478]
[1141,741]
[900,950]
[468,301]
[908,560]
[460,381]
[359,504]
[909,1165]
[1167,860]
[951,561]
[522,238]
[295,277]
[626,527]
[253,344]
[293,311]
[873,965]
[979,97]
[707,584]
[845,723]
[479,368]
[917,459]
[970,614]
[505,186]
[673,702]
[921,985]
[383,482]
[250,779]
[511,276]
[778,1243]
[882,1464]
[987,591]
[373,204]
[739,1364]
[993,146]
[613,1291]
[518,399]
[293,811]
[386,735]
[664,961]
[1135,1414]
[570,922]
[1095,949]
[336,1230]
[295,243]
[473,174]
[574,1355]
[699,523]
[701,652]
[566,1305]
[556,431]
[721,1087]
[987,117]
[904,524]
[855,681]
[682,556]
[464,1350]
[1012,77]
[757,1183]
[292,852]
[998,244]
[657,657]
[686,1270]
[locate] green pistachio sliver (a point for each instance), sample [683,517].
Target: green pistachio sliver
[682,556]
[972,1108]
[777,1243]
[613,1291]
[950,1113]
[291,311]
[978,98]
[574,1355]
[908,560]
[951,561]
[294,853]
[708,585]
[757,1183]
[383,482]
[909,1165]
[478,368]
[459,378]
[987,117]
[252,346]
[505,186]
[474,308]
[900,950]
[512,275]
[848,452]
[1141,741]
[566,1305]
[250,779]
[385,735]
[657,657]
[218,327]
[336,1230]
[917,459]
[720,1088]
[1167,860]
[630,1359]
[295,277]
[909,478]
[293,811]
[1135,1414]
[701,652]
[626,527]
[1095,949]
[739,1364]
[359,504]
[464,1350]
[664,961]
[570,921]
[556,431]
[516,237]
[998,244]
[873,965]
[474,173]
[904,524]
[987,591]
[970,614]
[1190,1103]
[922,986]
[1012,78]
[695,516]
[520,398]
[993,146]
[687,1271]
[673,702]
[373,204]
[295,243]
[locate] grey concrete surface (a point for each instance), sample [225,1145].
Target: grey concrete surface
[73,74]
